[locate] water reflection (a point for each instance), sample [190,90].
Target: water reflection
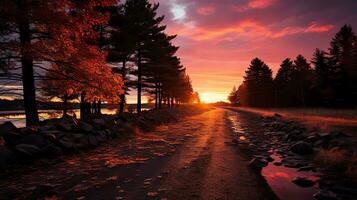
[280,179]
[18,117]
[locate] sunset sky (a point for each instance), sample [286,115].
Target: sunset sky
[218,38]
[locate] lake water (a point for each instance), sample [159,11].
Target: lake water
[18,117]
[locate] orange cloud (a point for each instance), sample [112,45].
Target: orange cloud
[254,4]
[206,10]
[260,3]
[245,29]
[316,28]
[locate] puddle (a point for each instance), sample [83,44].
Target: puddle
[236,127]
[280,179]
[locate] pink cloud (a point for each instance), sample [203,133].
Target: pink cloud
[317,28]
[261,3]
[247,29]
[206,10]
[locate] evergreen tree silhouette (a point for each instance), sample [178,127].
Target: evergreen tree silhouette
[143,24]
[283,83]
[342,53]
[259,83]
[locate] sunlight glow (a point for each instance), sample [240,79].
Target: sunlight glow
[178,11]
[211,97]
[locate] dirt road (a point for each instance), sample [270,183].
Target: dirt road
[189,159]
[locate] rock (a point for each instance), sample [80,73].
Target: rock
[92,140]
[64,125]
[325,195]
[324,136]
[344,190]
[8,127]
[101,136]
[99,124]
[28,149]
[66,143]
[312,138]
[6,156]
[10,133]
[303,182]
[34,139]
[306,168]
[11,138]
[277,115]
[302,148]
[257,164]
[83,126]
[29,130]
[51,151]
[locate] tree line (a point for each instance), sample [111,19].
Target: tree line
[329,80]
[89,50]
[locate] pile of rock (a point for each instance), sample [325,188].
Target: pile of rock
[55,137]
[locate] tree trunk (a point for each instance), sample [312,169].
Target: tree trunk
[160,96]
[99,107]
[65,104]
[28,80]
[82,105]
[156,95]
[122,96]
[138,109]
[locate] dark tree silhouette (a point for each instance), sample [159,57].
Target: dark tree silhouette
[301,79]
[143,25]
[322,89]
[121,48]
[259,83]
[233,96]
[282,84]
[342,53]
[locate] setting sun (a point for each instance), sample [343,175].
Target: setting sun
[211,97]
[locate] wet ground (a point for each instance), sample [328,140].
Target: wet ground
[189,159]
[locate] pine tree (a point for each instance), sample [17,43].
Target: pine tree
[259,83]
[233,98]
[282,84]
[302,79]
[342,59]
[323,79]
[143,25]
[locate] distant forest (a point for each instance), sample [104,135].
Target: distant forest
[329,80]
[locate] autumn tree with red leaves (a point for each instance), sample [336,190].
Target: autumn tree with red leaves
[39,33]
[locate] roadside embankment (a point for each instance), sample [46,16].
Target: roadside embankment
[68,135]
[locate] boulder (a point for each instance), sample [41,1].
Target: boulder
[83,126]
[303,182]
[277,115]
[302,148]
[10,133]
[66,143]
[29,130]
[325,195]
[28,149]
[99,124]
[257,164]
[92,140]
[64,125]
[101,136]
[6,156]
[8,127]
[34,139]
